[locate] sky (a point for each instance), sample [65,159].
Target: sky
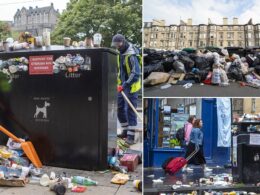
[8,8]
[200,10]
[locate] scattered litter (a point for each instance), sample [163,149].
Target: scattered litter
[187,85]
[58,188]
[175,187]
[45,180]
[178,183]
[130,161]
[78,189]
[120,179]
[83,181]
[150,176]
[138,185]
[166,86]
[105,171]
[157,181]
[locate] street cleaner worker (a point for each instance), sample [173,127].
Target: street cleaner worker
[128,81]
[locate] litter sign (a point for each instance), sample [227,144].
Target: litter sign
[41,64]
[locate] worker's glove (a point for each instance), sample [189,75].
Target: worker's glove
[120,88]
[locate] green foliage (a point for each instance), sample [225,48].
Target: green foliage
[15,35]
[5,30]
[174,142]
[107,17]
[4,85]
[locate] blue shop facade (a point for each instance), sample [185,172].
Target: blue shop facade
[163,117]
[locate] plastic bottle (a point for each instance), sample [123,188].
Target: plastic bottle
[138,185]
[84,181]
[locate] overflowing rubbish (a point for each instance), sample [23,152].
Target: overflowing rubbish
[71,63]
[138,185]
[27,147]
[27,41]
[157,181]
[120,179]
[130,161]
[13,65]
[212,68]
[78,189]
[83,181]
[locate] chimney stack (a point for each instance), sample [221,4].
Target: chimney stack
[189,22]
[225,21]
[235,21]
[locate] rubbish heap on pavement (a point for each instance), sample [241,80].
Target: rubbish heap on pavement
[17,170]
[207,184]
[196,66]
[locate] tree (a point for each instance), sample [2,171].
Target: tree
[107,17]
[5,30]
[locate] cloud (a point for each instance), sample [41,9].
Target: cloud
[200,10]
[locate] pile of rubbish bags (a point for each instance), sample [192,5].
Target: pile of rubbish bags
[213,68]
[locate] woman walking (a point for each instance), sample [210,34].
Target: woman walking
[196,142]
[188,127]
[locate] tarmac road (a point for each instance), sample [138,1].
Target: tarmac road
[197,90]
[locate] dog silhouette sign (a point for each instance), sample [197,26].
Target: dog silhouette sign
[42,110]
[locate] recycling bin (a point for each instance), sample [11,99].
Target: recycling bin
[68,110]
[246,155]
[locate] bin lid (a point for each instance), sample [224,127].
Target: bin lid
[57,48]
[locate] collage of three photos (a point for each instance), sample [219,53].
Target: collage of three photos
[130,97]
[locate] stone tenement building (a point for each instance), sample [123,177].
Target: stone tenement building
[159,36]
[36,20]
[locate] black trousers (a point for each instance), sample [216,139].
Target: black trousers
[198,158]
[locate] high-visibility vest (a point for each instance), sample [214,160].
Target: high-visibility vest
[136,86]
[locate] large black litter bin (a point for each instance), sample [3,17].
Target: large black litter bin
[70,117]
[246,154]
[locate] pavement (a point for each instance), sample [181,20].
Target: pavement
[186,178]
[197,90]
[104,186]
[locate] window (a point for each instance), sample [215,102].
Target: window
[191,35]
[249,35]
[212,43]
[46,19]
[230,35]
[221,43]
[156,36]
[230,43]
[190,43]
[240,35]
[201,43]
[230,27]
[240,44]
[221,35]
[212,27]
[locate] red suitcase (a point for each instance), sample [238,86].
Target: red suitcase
[175,164]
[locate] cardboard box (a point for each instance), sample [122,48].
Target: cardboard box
[130,161]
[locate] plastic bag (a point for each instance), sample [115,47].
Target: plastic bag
[235,72]
[188,63]
[179,67]
[216,76]
[152,68]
